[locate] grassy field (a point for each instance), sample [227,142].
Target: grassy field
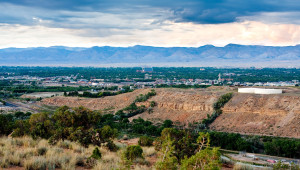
[26,153]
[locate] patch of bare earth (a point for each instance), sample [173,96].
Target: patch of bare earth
[274,115]
[181,105]
[116,102]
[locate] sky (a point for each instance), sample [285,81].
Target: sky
[164,23]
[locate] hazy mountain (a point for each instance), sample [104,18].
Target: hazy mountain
[231,54]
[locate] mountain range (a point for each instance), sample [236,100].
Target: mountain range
[208,55]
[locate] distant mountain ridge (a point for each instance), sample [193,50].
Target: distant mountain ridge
[231,54]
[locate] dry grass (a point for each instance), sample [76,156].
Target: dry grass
[244,166]
[149,151]
[39,154]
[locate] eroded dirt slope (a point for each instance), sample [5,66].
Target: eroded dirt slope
[277,115]
[115,102]
[180,105]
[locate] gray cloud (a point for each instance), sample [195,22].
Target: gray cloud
[197,11]
[106,18]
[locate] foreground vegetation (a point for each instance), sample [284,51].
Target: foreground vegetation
[75,137]
[84,126]
[38,154]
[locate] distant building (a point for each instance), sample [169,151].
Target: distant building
[147,76]
[259,91]
[295,81]
[147,69]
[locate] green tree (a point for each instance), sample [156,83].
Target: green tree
[205,159]
[6,124]
[22,127]
[167,124]
[167,158]
[145,141]
[105,134]
[41,125]
[132,152]
[182,140]
[96,154]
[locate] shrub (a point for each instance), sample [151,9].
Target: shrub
[41,125]
[41,151]
[204,159]
[36,163]
[152,103]
[181,139]
[6,124]
[96,154]
[132,152]
[79,160]
[167,159]
[111,146]
[208,158]
[65,144]
[145,141]
[167,124]
[281,166]
[17,142]
[21,128]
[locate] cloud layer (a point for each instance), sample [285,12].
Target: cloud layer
[159,23]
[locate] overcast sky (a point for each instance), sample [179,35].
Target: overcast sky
[188,23]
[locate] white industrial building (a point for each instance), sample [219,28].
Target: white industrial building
[259,91]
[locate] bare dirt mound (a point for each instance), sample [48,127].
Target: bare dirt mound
[180,105]
[275,115]
[114,102]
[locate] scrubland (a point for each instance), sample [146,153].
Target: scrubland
[27,153]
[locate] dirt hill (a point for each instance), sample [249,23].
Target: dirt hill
[109,102]
[179,105]
[175,104]
[277,115]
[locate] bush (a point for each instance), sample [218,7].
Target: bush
[143,98]
[132,152]
[167,159]
[6,124]
[182,140]
[111,146]
[167,124]
[65,144]
[37,163]
[205,158]
[96,154]
[41,151]
[145,141]
[152,103]
[217,109]
[41,125]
